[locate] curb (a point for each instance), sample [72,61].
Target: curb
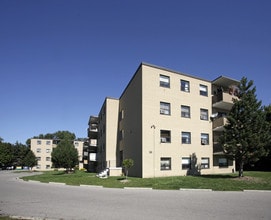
[251,190]
[188,189]
[143,188]
[91,186]
[57,183]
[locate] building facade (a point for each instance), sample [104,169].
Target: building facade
[167,122]
[42,148]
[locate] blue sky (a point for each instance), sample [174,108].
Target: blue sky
[60,59]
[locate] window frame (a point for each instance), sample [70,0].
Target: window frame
[183,86]
[203,90]
[205,165]
[164,81]
[204,139]
[204,117]
[183,113]
[221,164]
[164,166]
[187,138]
[186,166]
[163,110]
[166,136]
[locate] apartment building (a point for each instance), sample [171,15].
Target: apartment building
[167,122]
[43,148]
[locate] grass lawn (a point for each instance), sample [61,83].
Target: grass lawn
[228,182]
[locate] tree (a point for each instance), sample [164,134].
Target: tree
[19,152]
[65,155]
[247,132]
[127,164]
[6,154]
[59,135]
[30,159]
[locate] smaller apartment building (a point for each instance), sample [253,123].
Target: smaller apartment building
[42,148]
[167,122]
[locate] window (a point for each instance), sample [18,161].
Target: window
[76,144]
[48,150]
[38,150]
[204,139]
[48,167]
[38,158]
[185,86]
[165,136]
[164,108]
[38,142]
[164,81]
[165,163]
[204,114]
[186,138]
[222,162]
[122,114]
[186,163]
[205,163]
[121,134]
[203,90]
[48,142]
[48,158]
[185,111]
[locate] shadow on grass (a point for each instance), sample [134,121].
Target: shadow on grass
[221,176]
[59,173]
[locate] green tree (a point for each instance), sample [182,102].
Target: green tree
[59,135]
[19,152]
[64,135]
[127,164]
[65,155]
[246,133]
[6,154]
[29,159]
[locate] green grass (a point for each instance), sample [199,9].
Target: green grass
[228,182]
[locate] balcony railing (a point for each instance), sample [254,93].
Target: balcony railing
[219,123]
[223,100]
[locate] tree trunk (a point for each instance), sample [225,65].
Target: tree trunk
[241,165]
[126,173]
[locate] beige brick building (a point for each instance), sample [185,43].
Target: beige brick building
[43,148]
[167,122]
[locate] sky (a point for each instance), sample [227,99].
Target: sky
[60,59]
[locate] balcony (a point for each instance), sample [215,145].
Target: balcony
[223,100]
[219,123]
[93,133]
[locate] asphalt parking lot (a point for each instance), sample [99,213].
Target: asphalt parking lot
[36,200]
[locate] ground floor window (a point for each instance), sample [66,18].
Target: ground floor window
[165,163]
[186,163]
[205,163]
[222,162]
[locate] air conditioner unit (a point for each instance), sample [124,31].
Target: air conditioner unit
[163,140]
[203,117]
[162,111]
[204,141]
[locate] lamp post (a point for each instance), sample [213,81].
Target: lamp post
[153,127]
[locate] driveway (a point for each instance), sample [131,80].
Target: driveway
[58,201]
